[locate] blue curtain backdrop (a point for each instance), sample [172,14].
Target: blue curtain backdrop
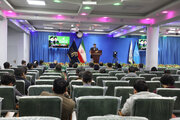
[169,50]
[108,44]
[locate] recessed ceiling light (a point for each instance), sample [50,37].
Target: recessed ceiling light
[117,4]
[99,30]
[83,14]
[48,28]
[57,1]
[36,2]
[87,8]
[164,12]
[89,2]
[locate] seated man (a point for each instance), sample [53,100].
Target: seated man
[140,91]
[58,69]
[131,73]
[109,66]
[79,72]
[60,89]
[20,75]
[87,78]
[167,81]
[6,65]
[23,63]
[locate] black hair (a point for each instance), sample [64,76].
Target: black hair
[59,85]
[109,64]
[131,69]
[24,69]
[153,69]
[41,62]
[58,67]
[91,64]
[87,76]
[70,64]
[6,65]
[96,67]
[35,65]
[101,63]
[141,65]
[51,37]
[75,65]
[140,85]
[80,75]
[80,69]
[23,62]
[19,72]
[167,80]
[102,70]
[30,66]
[6,79]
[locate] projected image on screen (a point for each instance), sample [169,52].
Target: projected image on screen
[59,41]
[142,44]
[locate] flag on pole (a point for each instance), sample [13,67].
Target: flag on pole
[73,53]
[130,54]
[82,53]
[136,57]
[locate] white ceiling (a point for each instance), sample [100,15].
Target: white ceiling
[129,13]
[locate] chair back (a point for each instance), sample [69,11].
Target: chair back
[152,85]
[100,79]
[38,89]
[49,77]
[132,80]
[95,75]
[120,75]
[147,76]
[20,86]
[113,73]
[44,82]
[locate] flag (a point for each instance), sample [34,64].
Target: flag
[136,57]
[130,60]
[82,53]
[73,53]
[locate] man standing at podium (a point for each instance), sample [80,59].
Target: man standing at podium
[94,48]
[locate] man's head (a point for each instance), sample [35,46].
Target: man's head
[87,77]
[141,65]
[41,62]
[167,80]
[131,69]
[91,64]
[75,65]
[96,67]
[153,69]
[102,70]
[59,86]
[80,69]
[58,67]
[19,72]
[94,45]
[109,65]
[30,66]
[8,79]
[70,64]
[23,62]
[140,86]
[101,64]
[6,65]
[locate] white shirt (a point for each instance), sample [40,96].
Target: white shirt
[126,110]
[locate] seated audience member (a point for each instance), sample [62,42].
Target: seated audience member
[102,70]
[20,75]
[75,65]
[23,63]
[41,65]
[140,91]
[60,89]
[168,72]
[101,64]
[78,71]
[53,65]
[70,65]
[58,69]
[6,65]
[87,78]
[91,65]
[109,66]
[153,69]
[117,66]
[35,65]
[9,80]
[30,66]
[167,81]
[96,67]
[131,73]
[141,67]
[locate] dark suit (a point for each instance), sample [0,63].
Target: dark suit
[93,49]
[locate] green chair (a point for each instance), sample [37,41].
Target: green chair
[30,78]
[171,92]
[152,85]
[49,70]
[20,86]
[2,73]
[112,84]
[49,77]
[10,71]
[36,71]
[51,74]
[172,70]
[38,89]
[116,117]
[124,92]
[146,71]
[177,84]
[70,78]
[97,105]
[95,75]
[40,70]
[139,72]
[148,76]
[158,73]
[108,70]
[30,118]
[176,77]
[155,78]
[8,103]
[71,70]
[71,74]
[44,82]
[178,118]
[156,108]
[178,72]
[40,106]
[100,79]
[132,80]
[113,73]
[34,76]
[162,69]
[89,69]
[120,75]
[78,91]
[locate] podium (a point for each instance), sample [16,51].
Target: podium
[96,55]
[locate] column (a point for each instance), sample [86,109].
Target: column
[152,47]
[3,41]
